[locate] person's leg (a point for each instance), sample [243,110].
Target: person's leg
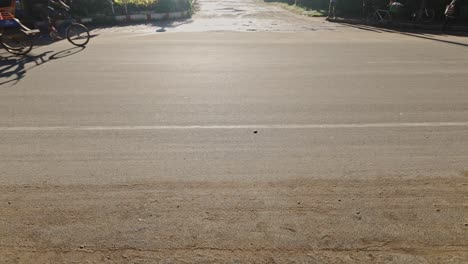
[334,10]
[364,11]
[329,10]
[52,19]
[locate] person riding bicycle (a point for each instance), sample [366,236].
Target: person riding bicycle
[59,3]
[52,13]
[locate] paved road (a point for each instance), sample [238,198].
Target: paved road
[319,146]
[236,15]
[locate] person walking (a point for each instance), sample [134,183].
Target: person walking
[451,13]
[367,8]
[332,9]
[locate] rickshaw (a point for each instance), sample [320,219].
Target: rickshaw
[15,37]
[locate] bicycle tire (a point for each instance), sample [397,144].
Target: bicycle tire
[18,43]
[78,34]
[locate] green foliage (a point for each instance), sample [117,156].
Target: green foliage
[121,7]
[91,7]
[160,6]
[134,6]
[173,5]
[143,3]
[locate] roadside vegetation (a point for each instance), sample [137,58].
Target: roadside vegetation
[126,7]
[301,10]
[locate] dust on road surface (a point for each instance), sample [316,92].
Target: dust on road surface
[291,221]
[235,15]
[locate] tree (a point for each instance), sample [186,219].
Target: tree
[126,3]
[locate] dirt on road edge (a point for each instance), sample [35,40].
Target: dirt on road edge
[315,221]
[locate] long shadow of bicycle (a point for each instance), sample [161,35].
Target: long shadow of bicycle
[13,69]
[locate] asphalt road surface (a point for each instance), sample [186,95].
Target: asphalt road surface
[236,15]
[317,146]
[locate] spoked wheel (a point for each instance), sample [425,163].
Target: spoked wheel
[17,42]
[78,34]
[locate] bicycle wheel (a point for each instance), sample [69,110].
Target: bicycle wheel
[428,15]
[78,34]
[17,42]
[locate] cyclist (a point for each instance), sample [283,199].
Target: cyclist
[59,3]
[52,13]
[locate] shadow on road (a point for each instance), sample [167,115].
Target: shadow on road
[417,34]
[434,39]
[366,28]
[13,68]
[44,39]
[170,24]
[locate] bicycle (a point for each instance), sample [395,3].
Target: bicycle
[76,33]
[15,37]
[379,16]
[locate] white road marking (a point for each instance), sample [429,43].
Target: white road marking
[201,127]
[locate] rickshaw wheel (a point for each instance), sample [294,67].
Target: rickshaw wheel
[17,42]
